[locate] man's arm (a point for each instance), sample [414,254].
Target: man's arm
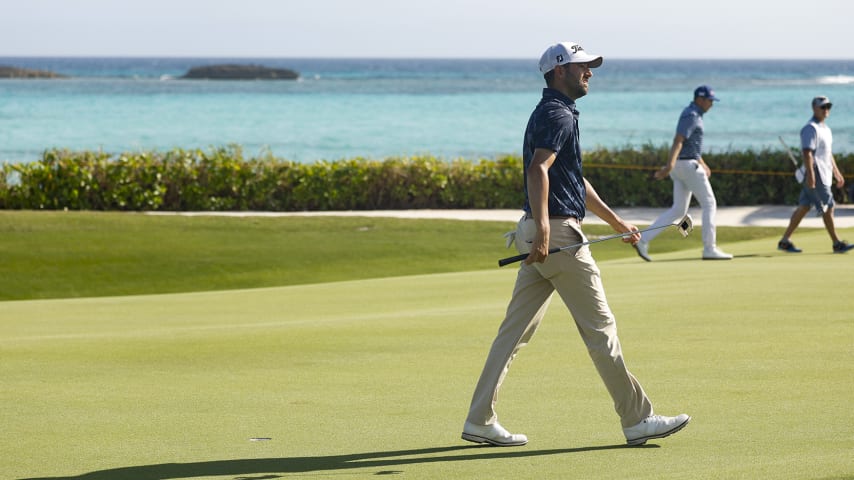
[705,167]
[599,208]
[809,142]
[675,148]
[538,198]
[809,168]
[837,173]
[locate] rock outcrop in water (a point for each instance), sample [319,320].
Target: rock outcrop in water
[240,72]
[15,72]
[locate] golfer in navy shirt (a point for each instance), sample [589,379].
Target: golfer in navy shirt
[690,176]
[557,197]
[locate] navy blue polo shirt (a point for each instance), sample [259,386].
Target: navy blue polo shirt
[554,126]
[690,126]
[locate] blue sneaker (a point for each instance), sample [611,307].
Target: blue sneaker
[790,247]
[841,247]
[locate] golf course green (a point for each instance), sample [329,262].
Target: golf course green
[137,347]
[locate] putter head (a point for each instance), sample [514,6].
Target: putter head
[686,225]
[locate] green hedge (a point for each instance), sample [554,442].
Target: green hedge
[624,176]
[223,180]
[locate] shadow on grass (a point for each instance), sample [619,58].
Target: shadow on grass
[267,468]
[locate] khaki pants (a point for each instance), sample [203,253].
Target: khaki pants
[575,276]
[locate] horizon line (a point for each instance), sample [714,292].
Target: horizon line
[482,58]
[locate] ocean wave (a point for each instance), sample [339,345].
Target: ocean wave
[836,80]
[823,80]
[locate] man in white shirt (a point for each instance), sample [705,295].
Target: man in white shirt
[819,172]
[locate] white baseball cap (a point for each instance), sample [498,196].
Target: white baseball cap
[821,101]
[566,52]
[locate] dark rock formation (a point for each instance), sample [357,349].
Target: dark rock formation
[15,72]
[241,72]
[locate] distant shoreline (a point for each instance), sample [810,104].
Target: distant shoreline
[9,71]
[417,58]
[178,65]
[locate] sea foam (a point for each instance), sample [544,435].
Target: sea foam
[836,80]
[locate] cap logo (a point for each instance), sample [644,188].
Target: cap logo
[559,58]
[576,48]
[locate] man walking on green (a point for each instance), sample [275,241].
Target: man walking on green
[690,175]
[557,198]
[819,172]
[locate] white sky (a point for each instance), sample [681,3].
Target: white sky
[427,28]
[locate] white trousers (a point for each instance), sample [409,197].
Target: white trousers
[689,178]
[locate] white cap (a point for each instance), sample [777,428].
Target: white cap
[566,52]
[821,101]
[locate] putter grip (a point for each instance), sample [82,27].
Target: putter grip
[519,258]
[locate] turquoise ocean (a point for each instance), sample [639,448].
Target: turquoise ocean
[377,108]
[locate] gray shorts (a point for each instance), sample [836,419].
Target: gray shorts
[820,197]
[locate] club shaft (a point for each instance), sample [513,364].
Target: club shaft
[789,151]
[519,258]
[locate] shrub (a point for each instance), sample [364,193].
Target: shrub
[222,179]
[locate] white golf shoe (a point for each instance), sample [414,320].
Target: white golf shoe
[654,426]
[643,250]
[715,253]
[493,434]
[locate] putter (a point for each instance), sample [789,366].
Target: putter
[685,226]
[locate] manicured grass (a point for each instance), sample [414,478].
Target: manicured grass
[367,378]
[84,254]
[56,254]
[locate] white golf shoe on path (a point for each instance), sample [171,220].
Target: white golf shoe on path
[493,434]
[655,426]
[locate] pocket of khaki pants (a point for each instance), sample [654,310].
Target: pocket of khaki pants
[525,232]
